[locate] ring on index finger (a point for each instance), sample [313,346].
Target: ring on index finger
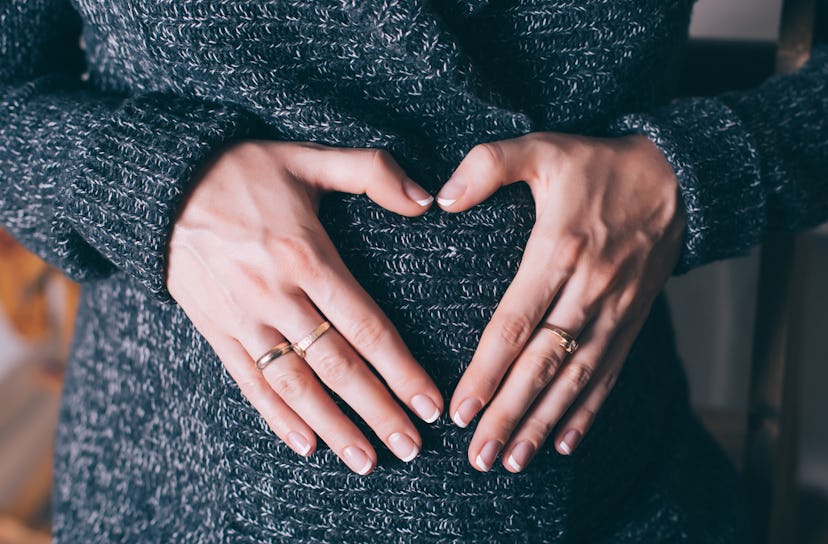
[568,342]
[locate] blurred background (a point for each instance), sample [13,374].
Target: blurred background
[37,306]
[714,309]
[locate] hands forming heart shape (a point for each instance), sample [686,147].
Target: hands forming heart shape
[608,233]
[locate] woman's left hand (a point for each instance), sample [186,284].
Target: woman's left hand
[607,236]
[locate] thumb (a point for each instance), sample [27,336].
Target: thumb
[484,170]
[372,172]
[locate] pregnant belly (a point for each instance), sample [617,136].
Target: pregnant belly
[439,278]
[174,429]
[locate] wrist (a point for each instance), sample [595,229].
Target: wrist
[647,158]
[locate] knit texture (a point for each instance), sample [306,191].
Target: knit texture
[750,165]
[155,441]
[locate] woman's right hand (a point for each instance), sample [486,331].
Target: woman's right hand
[252,266]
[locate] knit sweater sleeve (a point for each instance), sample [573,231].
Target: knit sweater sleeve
[91,181]
[750,165]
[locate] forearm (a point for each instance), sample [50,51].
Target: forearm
[92,182]
[89,180]
[750,164]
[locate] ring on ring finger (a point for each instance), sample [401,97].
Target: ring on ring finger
[568,342]
[300,347]
[273,353]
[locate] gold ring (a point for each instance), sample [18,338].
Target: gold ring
[272,354]
[568,342]
[302,345]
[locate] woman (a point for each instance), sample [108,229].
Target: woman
[181,184]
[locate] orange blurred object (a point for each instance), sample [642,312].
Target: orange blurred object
[24,283]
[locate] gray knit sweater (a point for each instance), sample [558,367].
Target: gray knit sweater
[155,442]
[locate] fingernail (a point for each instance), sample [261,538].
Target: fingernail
[358,460]
[299,443]
[570,441]
[451,191]
[417,193]
[520,456]
[468,409]
[486,457]
[425,408]
[403,447]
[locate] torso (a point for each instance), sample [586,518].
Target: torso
[427,81]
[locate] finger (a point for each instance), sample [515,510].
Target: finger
[539,278]
[363,324]
[554,401]
[582,415]
[535,367]
[335,362]
[295,383]
[484,170]
[281,419]
[572,313]
[373,172]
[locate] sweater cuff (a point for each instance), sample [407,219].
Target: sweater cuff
[717,166]
[127,183]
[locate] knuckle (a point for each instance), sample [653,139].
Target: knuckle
[615,316]
[584,311]
[566,252]
[487,385]
[248,386]
[604,278]
[335,367]
[490,155]
[409,383]
[610,380]
[506,423]
[578,375]
[588,414]
[542,366]
[537,429]
[381,161]
[291,384]
[253,277]
[276,425]
[482,385]
[368,333]
[237,320]
[629,301]
[515,330]
[295,253]
[244,150]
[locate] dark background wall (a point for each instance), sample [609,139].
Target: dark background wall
[714,307]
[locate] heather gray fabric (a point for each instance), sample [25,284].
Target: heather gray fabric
[155,442]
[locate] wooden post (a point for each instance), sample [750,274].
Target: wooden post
[771,444]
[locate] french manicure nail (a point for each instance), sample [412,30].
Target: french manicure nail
[403,447]
[425,408]
[451,191]
[570,441]
[486,457]
[468,409]
[358,460]
[520,456]
[299,443]
[417,193]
